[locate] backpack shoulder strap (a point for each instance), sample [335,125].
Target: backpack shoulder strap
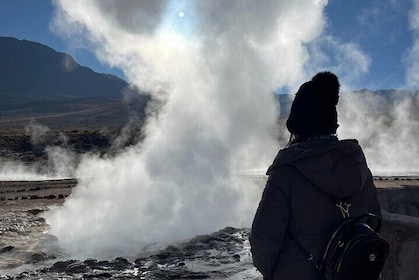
[306,253]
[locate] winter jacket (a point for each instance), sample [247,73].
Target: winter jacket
[295,202]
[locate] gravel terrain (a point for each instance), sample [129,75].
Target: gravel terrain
[27,251]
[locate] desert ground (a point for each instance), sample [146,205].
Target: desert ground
[27,251]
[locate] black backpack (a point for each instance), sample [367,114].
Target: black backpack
[354,252]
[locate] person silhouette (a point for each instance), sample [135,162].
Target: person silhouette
[296,205]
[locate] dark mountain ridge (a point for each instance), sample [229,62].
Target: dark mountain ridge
[37,82]
[39,73]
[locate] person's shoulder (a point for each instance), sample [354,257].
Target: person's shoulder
[286,157]
[351,146]
[283,169]
[279,179]
[350,141]
[281,174]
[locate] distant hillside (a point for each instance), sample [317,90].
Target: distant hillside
[37,72]
[49,86]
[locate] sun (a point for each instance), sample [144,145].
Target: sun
[181,14]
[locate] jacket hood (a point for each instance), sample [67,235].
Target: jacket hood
[335,167]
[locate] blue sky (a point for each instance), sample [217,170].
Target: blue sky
[379,30]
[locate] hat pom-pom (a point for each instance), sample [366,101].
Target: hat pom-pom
[327,84]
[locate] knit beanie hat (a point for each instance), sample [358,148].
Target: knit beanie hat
[313,111]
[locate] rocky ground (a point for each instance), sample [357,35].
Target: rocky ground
[28,252]
[220,255]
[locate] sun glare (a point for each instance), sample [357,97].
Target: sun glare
[181,14]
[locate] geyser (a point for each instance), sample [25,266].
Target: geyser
[214,73]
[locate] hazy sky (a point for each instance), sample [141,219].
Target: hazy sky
[377,34]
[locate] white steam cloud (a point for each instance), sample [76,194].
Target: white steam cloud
[60,162]
[215,70]
[386,125]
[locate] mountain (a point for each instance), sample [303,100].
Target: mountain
[39,82]
[37,72]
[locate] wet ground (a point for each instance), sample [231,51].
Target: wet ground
[23,238]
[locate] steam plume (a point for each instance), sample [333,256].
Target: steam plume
[387,126]
[215,70]
[60,160]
